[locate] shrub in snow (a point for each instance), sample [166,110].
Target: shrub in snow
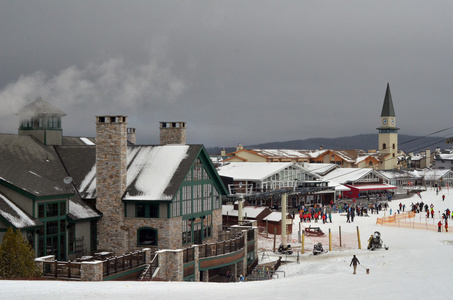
[16,257]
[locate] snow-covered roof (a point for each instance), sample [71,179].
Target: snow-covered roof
[338,187]
[275,216]
[320,169]
[397,174]
[344,175]
[431,174]
[249,211]
[444,156]
[150,170]
[78,211]
[369,187]
[14,215]
[253,171]
[86,141]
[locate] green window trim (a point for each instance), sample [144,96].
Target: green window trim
[147,210]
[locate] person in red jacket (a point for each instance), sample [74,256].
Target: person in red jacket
[439,226]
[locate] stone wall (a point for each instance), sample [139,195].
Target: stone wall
[169,232]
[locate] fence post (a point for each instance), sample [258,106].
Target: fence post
[302,250]
[340,235]
[330,240]
[358,237]
[275,235]
[56,268]
[69,269]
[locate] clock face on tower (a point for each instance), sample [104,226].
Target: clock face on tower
[392,121]
[384,121]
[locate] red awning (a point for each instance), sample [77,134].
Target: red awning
[372,187]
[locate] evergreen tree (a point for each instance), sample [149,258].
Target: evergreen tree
[16,256]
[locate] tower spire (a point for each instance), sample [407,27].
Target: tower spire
[387,108]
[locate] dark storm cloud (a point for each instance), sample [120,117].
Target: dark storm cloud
[236,71]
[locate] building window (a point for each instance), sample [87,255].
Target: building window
[146,210]
[384,146]
[393,146]
[147,237]
[52,237]
[53,122]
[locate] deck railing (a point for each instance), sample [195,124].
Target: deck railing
[69,269]
[61,269]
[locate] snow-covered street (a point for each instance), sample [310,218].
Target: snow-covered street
[418,265]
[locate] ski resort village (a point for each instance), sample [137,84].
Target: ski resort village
[145,220]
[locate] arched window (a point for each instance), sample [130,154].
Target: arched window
[370,163]
[393,146]
[384,146]
[147,236]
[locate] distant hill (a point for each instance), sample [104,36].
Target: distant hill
[407,143]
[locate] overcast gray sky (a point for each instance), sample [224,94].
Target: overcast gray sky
[236,71]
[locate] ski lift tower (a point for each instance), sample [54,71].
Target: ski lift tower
[240,190]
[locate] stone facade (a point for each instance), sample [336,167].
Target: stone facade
[111,168]
[91,271]
[172,133]
[171,265]
[169,231]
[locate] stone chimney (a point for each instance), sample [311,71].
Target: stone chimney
[239,147]
[172,133]
[111,169]
[131,136]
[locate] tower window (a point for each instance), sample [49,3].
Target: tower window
[393,146]
[54,122]
[384,146]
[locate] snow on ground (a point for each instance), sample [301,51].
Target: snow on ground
[418,265]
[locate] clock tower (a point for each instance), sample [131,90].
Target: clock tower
[388,133]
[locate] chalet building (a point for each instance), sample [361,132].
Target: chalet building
[435,177]
[273,223]
[361,182]
[443,159]
[37,194]
[265,178]
[420,160]
[73,196]
[342,158]
[230,213]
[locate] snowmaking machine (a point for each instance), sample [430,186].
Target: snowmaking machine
[285,249]
[317,249]
[375,241]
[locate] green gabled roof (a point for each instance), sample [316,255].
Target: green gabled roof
[387,108]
